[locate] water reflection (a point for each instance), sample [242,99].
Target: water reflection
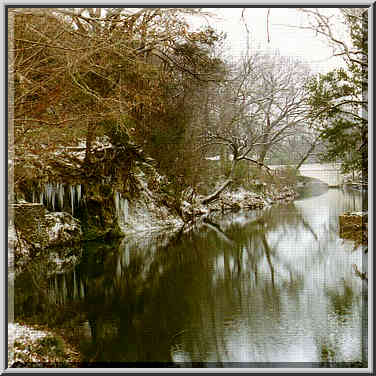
[274,285]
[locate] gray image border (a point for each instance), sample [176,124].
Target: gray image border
[7,187]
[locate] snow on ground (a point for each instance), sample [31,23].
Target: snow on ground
[25,335]
[28,346]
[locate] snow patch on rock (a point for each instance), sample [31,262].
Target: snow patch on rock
[144,215]
[36,232]
[25,335]
[62,228]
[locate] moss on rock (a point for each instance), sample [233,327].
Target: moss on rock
[98,215]
[31,347]
[39,233]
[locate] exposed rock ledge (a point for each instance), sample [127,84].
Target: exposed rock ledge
[354,226]
[35,231]
[31,347]
[237,200]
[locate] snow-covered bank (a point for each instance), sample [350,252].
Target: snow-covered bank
[30,347]
[243,199]
[238,199]
[148,212]
[126,194]
[36,232]
[25,342]
[145,215]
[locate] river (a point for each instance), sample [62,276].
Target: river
[265,288]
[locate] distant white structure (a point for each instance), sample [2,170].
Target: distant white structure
[230,157]
[215,158]
[329,173]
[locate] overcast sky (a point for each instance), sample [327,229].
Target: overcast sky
[303,44]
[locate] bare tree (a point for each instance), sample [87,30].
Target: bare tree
[301,146]
[262,106]
[232,113]
[283,110]
[335,28]
[340,96]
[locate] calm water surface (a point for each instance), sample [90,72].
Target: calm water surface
[274,285]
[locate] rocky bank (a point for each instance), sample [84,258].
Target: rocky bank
[64,204]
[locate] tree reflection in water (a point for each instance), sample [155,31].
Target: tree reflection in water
[273,285]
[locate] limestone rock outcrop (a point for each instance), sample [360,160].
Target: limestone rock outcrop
[34,231]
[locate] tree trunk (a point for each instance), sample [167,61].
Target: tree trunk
[265,145]
[263,153]
[311,149]
[233,165]
[216,194]
[259,164]
[219,232]
[89,140]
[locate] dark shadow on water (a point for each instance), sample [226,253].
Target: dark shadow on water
[236,291]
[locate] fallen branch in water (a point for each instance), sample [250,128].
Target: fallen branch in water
[216,194]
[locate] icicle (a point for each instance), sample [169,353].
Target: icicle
[126,255]
[50,190]
[75,288]
[125,210]
[82,290]
[33,196]
[121,207]
[61,196]
[48,193]
[64,289]
[41,197]
[79,194]
[118,268]
[53,194]
[117,204]
[72,197]
[56,289]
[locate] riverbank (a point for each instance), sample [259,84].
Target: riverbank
[134,290]
[354,226]
[38,346]
[31,343]
[237,266]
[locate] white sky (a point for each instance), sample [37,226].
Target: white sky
[303,44]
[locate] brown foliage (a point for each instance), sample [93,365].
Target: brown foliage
[74,69]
